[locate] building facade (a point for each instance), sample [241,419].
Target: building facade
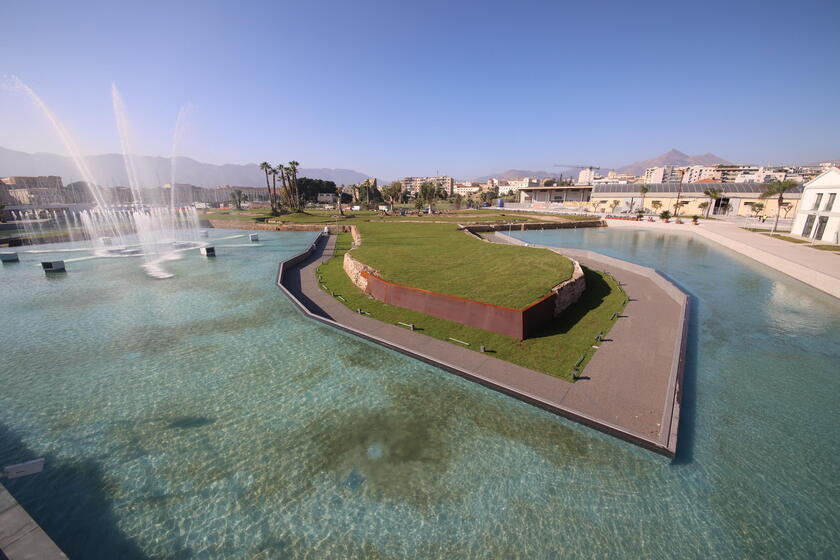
[737,199]
[411,185]
[818,217]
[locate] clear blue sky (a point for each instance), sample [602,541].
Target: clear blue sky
[395,88]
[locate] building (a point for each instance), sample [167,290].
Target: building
[663,174]
[327,198]
[467,188]
[818,217]
[558,196]
[737,199]
[614,178]
[587,175]
[512,186]
[411,185]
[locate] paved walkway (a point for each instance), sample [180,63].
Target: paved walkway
[820,269]
[630,388]
[20,537]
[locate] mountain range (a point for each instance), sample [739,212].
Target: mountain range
[515,174]
[109,170]
[671,157]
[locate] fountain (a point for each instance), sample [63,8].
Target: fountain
[157,233]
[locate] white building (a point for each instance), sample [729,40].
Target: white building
[818,217]
[466,188]
[512,186]
[587,176]
[697,173]
[663,174]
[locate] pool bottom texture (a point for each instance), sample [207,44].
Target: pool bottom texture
[202,416]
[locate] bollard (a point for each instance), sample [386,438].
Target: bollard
[483,349]
[614,315]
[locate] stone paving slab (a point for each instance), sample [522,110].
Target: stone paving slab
[20,537]
[631,389]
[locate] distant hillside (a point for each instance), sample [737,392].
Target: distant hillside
[671,157]
[109,170]
[516,174]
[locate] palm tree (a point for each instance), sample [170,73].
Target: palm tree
[266,167]
[292,167]
[713,195]
[280,170]
[644,189]
[613,206]
[272,192]
[778,188]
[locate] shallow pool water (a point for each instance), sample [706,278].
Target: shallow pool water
[203,417]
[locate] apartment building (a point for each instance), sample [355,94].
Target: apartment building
[411,185]
[467,188]
[663,174]
[512,186]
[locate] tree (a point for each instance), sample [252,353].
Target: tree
[392,194]
[291,171]
[550,182]
[703,206]
[757,208]
[613,205]
[339,192]
[266,167]
[427,195]
[665,215]
[287,195]
[272,193]
[238,197]
[677,206]
[644,189]
[309,188]
[787,207]
[778,189]
[713,195]
[458,201]
[656,205]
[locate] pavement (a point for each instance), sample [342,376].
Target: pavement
[20,537]
[630,388]
[819,269]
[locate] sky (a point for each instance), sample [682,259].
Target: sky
[393,88]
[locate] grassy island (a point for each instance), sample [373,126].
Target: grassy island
[554,351]
[440,258]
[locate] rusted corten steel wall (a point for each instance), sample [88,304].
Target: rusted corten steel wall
[538,314]
[494,318]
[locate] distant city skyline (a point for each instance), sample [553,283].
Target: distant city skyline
[398,90]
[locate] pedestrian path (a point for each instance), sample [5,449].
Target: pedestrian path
[631,388]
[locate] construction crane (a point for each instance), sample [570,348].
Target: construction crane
[575,166]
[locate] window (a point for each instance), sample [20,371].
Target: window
[830,204]
[809,224]
[817,202]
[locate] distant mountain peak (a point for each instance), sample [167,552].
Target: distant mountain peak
[672,157]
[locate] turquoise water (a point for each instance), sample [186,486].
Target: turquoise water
[203,417]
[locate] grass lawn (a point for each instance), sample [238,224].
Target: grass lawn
[554,351]
[441,258]
[787,238]
[826,247]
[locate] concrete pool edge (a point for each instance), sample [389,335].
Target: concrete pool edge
[413,345]
[671,412]
[20,536]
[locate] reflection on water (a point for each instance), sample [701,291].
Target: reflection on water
[204,417]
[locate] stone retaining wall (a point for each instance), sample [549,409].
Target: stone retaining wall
[517,323]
